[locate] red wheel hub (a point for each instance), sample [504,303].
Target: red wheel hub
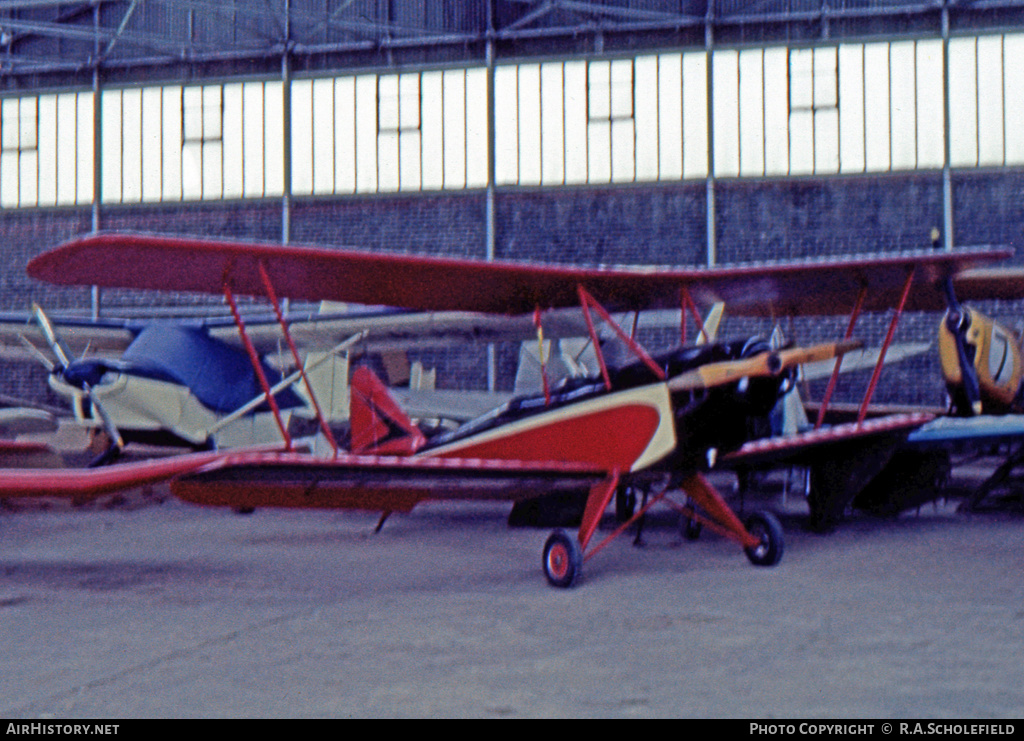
[558,561]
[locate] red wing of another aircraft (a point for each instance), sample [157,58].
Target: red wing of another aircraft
[630,427]
[83,484]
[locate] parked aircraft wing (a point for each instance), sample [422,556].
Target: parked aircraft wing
[803,446]
[968,433]
[25,421]
[461,406]
[101,337]
[388,330]
[863,360]
[980,283]
[374,483]
[89,483]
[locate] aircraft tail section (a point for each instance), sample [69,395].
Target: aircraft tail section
[379,426]
[327,373]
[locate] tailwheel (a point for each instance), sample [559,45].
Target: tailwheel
[767,529]
[563,559]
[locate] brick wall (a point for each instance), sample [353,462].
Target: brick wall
[793,219]
[614,225]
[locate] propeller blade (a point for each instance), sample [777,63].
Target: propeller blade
[764,364]
[58,348]
[800,355]
[37,353]
[63,355]
[116,441]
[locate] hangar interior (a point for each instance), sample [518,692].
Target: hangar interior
[593,132]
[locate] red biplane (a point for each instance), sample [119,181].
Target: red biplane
[657,423]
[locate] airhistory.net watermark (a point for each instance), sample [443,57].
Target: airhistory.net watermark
[884,729]
[62,729]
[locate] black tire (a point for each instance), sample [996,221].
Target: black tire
[767,529]
[625,503]
[690,528]
[563,559]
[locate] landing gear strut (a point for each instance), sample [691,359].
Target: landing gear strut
[760,535]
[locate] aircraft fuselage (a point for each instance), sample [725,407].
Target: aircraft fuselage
[993,350]
[636,424]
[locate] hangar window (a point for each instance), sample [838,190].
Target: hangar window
[611,128]
[399,137]
[834,108]
[202,114]
[386,133]
[813,110]
[202,150]
[168,143]
[19,153]
[986,77]
[46,150]
[398,103]
[891,106]
[601,121]
[19,120]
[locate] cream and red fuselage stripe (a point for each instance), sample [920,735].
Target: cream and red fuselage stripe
[623,430]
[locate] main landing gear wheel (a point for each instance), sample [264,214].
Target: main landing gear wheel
[563,559]
[625,503]
[767,529]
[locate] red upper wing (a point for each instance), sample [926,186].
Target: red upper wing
[435,283]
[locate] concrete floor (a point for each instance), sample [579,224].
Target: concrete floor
[160,609]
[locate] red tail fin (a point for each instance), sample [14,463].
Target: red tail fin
[379,426]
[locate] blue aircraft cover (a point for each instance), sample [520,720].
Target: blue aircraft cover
[219,375]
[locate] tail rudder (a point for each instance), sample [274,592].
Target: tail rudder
[379,426]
